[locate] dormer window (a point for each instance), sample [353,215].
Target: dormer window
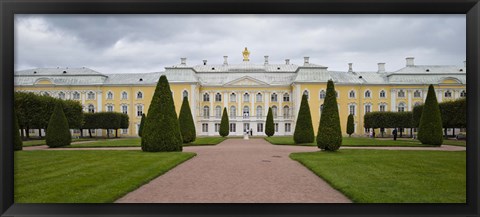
[213,68]
[427,70]
[141,79]
[461,70]
[278,68]
[64,72]
[34,72]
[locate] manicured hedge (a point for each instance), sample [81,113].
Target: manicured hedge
[453,113]
[388,120]
[142,122]
[269,125]
[105,120]
[224,131]
[187,126]
[430,127]
[329,136]
[17,141]
[350,125]
[303,127]
[58,132]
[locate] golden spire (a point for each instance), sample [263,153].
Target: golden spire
[246,53]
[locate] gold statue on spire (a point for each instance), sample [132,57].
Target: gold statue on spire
[246,54]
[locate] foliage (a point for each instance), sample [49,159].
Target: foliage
[187,126]
[269,125]
[124,121]
[161,131]
[17,141]
[142,122]
[388,120]
[58,133]
[453,113]
[350,125]
[224,131]
[329,136]
[430,127]
[108,120]
[303,127]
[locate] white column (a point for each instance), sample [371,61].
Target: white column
[212,109]
[409,100]
[424,94]
[225,99]
[267,101]
[298,100]
[252,103]
[193,100]
[280,107]
[456,94]
[439,95]
[99,101]
[393,97]
[239,103]
[82,95]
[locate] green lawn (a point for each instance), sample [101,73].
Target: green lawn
[38,142]
[386,176]
[361,141]
[87,176]
[455,142]
[135,142]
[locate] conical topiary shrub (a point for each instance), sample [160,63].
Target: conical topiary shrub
[187,126]
[304,128]
[142,123]
[17,141]
[269,125]
[58,132]
[430,127]
[329,136]
[161,131]
[224,124]
[350,125]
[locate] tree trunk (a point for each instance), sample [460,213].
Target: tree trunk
[453,132]
[90,132]
[411,132]
[22,134]
[445,132]
[108,133]
[81,133]
[116,133]
[40,133]
[27,132]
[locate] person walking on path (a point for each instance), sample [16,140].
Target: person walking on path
[394,132]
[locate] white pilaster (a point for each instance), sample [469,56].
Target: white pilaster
[439,95]
[409,100]
[267,101]
[393,97]
[212,109]
[99,101]
[252,103]
[225,99]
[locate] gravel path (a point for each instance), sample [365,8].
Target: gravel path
[238,171]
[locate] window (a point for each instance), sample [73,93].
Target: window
[91,95]
[91,108]
[322,94]
[233,112]
[139,110]
[206,97]
[124,95]
[217,127]
[368,108]
[259,97]
[401,107]
[260,127]
[351,109]
[352,94]
[124,131]
[246,126]
[185,94]
[286,97]
[206,112]
[61,95]
[246,97]
[382,94]
[109,108]
[205,128]
[109,95]
[336,94]
[305,92]
[463,93]
[124,109]
[218,97]
[233,97]
[233,127]
[367,94]
[218,112]
[417,104]
[448,94]
[276,127]
[383,108]
[288,127]
[286,111]
[274,97]
[139,95]
[76,95]
[274,111]
[259,111]
[417,94]
[401,94]
[321,108]
[246,112]
[46,94]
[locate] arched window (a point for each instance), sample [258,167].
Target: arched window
[286,97]
[185,94]
[259,97]
[61,95]
[218,112]
[382,94]
[368,108]
[46,94]
[76,95]
[206,112]
[305,92]
[367,94]
[322,94]
[139,110]
[274,111]
[233,111]
[124,95]
[352,94]
[259,111]
[91,108]
[233,97]
[246,97]
[218,97]
[125,109]
[401,107]
[246,111]
[401,94]
[417,94]
[463,93]
[417,104]
[206,97]
[382,108]
[351,109]
[321,109]
[139,95]
[91,95]
[286,111]
[109,108]
[274,97]
[448,94]
[109,95]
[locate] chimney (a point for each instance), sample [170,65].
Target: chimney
[287,61]
[266,60]
[381,67]
[305,60]
[410,61]
[225,58]
[204,62]
[183,61]
[350,68]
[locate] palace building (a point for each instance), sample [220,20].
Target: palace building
[248,89]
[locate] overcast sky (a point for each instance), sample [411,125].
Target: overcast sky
[148,43]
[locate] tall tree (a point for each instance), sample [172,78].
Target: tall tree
[350,125]
[187,126]
[329,136]
[142,122]
[224,124]
[161,131]
[17,141]
[304,128]
[269,125]
[58,132]
[430,127]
